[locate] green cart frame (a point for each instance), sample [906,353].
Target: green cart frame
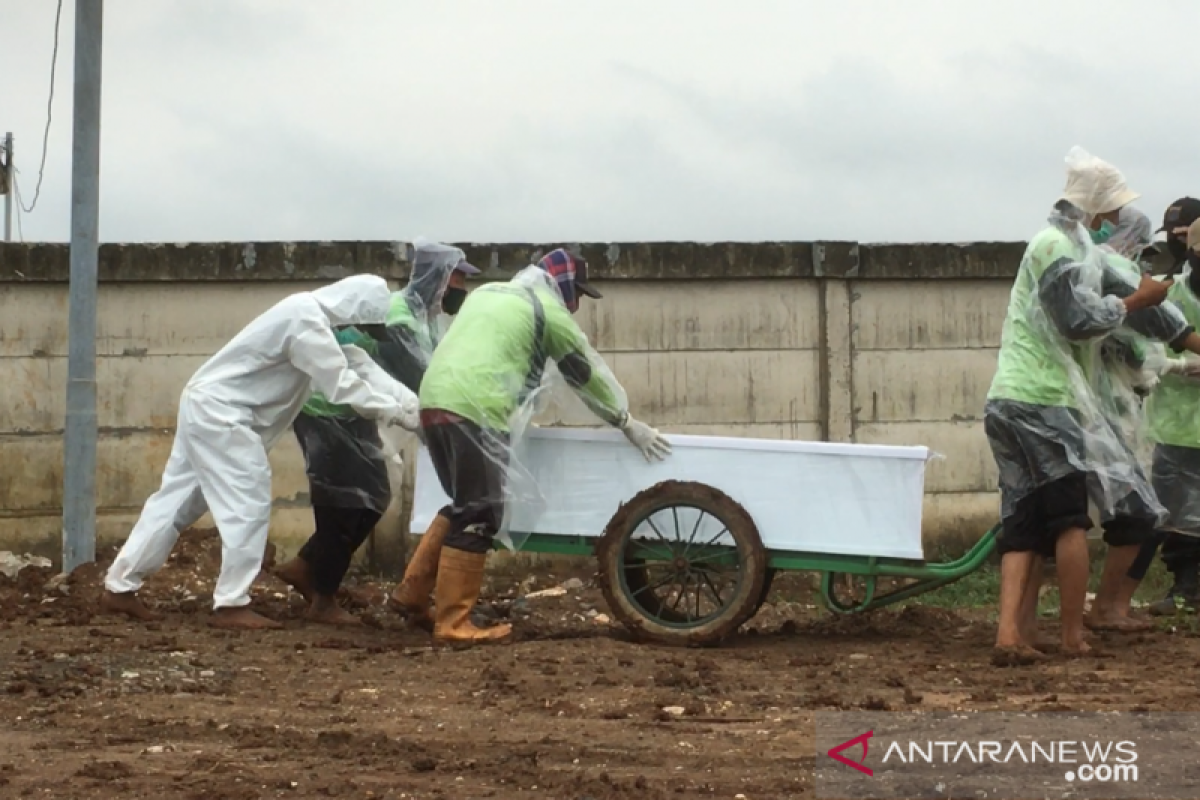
[678,591]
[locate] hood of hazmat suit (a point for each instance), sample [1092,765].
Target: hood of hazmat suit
[264,375]
[488,371]
[1173,424]
[1045,417]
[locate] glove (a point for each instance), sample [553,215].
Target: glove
[652,443]
[1185,367]
[407,414]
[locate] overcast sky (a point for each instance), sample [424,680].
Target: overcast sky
[604,120]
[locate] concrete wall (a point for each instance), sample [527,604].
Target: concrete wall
[884,344]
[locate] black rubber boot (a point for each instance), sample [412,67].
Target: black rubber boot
[1184,592]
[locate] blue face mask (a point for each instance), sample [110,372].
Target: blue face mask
[1107,229]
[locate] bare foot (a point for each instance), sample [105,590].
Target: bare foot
[1079,650]
[295,574]
[358,597]
[326,611]
[241,618]
[1116,623]
[127,603]
[1015,656]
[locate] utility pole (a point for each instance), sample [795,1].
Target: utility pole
[79,446]
[10,178]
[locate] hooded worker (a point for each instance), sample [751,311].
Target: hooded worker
[1174,427]
[231,413]
[343,453]
[1052,442]
[1133,359]
[480,382]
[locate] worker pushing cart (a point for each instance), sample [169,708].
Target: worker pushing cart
[231,413]
[477,398]
[344,455]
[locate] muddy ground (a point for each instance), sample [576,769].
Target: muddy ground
[97,707]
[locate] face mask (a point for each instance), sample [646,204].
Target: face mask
[453,299]
[1178,249]
[1107,229]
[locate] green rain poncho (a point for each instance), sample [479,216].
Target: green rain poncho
[1045,416]
[488,371]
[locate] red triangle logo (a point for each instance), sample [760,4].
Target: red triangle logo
[836,753]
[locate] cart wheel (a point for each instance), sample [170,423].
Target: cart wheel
[682,563]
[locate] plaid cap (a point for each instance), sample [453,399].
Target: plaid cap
[570,273]
[1180,214]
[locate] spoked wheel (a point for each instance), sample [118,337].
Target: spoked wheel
[682,563]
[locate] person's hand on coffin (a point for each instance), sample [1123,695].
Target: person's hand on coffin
[652,443]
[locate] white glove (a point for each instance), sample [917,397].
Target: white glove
[1185,367]
[652,443]
[407,414]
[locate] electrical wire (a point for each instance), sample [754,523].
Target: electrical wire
[49,115]
[16,190]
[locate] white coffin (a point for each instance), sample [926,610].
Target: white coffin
[815,497]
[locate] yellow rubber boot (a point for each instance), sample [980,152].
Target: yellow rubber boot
[459,578]
[411,597]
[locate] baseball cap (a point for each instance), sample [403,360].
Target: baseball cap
[581,274]
[581,280]
[466,268]
[1181,213]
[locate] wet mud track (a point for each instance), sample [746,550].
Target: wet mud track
[98,707]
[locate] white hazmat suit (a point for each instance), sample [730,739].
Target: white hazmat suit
[236,407]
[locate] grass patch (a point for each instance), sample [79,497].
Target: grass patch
[979,589]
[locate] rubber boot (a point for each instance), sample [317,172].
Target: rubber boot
[1186,588]
[459,578]
[411,597]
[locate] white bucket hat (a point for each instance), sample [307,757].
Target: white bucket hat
[1093,185]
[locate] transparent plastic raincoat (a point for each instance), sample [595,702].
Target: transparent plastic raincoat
[346,456]
[1173,424]
[1135,354]
[1046,418]
[484,385]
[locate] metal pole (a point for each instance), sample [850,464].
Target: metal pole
[12,179]
[79,489]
